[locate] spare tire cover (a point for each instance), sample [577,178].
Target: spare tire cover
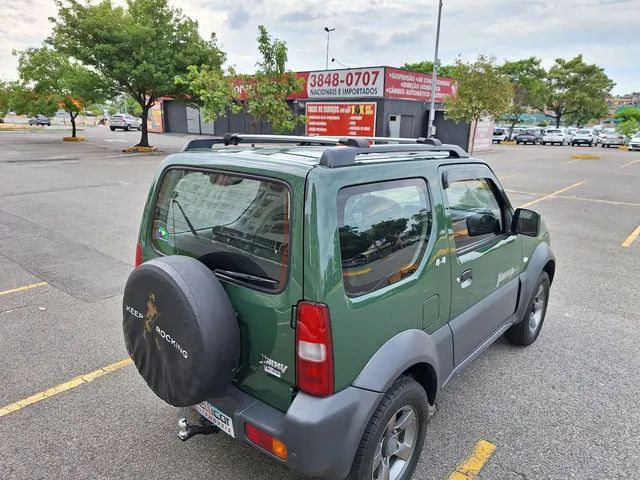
[180,329]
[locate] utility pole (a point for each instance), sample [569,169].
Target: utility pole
[328,30]
[434,77]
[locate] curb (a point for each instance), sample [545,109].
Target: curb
[73,139]
[585,156]
[141,150]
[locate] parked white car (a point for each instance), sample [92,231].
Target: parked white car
[634,143]
[555,136]
[125,122]
[609,137]
[500,134]
[583,136]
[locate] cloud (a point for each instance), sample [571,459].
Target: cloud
[392,32]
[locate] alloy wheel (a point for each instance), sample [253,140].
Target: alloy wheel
[396,446]
[537,309]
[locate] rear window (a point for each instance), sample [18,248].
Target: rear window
[554,131]
[583,132]
[236,225]
[384,229]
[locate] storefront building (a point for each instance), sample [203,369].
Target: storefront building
[371,101]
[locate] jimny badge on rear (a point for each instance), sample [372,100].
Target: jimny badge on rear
[272,367]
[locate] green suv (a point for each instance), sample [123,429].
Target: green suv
[310,296]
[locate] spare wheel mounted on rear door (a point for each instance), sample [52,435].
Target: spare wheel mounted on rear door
[180,329]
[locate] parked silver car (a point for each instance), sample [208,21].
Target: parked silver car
[125,122]
[609,137]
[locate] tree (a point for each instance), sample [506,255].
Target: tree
[272,84]
[141,48]
[629,121]
[577,90]
[58,82]
[483,91]
[427,67]
[212,89]
[7,97]
[527,78]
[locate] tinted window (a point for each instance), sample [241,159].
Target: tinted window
[583,132]
[226,221]
[475,212]
[384,229]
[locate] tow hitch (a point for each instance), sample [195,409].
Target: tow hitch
[186,431]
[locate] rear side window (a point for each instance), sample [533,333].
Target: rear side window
[384,229]
[227,221]
[476,215]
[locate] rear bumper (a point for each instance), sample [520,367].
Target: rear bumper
[321,434]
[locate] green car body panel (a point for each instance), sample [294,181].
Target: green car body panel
[426,300]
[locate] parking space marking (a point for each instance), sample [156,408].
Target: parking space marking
[573,197]
[629,163]
[509,176]
[631,238]
[470,468]
[22,289]
[63,387]
[551,195]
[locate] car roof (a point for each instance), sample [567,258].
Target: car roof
[296,160]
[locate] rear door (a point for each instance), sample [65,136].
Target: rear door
[486,259]
[239,224]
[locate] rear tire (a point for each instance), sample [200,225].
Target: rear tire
[113,129]
[527,330]
[127,128]
[399,425]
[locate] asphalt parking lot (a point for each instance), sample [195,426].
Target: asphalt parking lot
[566,407]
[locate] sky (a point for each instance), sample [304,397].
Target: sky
[389,32]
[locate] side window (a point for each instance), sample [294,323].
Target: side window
[476,215]
[384,229]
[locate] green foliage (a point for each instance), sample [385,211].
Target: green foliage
[483,91]
[628,128]
[529,90]
[542,124]
[141,48]
[272,84]
[577,91]
[211,89]
[8,97]
[57,82]
[629,123]
[427,67]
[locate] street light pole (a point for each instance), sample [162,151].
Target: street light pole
[328,30]
[434,76]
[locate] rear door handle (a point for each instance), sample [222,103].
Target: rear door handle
[466,278]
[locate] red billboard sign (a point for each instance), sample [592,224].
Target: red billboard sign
[340,119]
[351,83]
[416,86]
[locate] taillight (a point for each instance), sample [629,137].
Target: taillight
[138,259]
[266,441]
[314,349]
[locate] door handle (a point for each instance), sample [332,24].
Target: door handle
[466,278]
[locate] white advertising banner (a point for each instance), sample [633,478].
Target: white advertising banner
[352,83]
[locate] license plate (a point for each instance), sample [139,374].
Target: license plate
[215,416]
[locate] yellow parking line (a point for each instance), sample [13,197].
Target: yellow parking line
[470,468]
[63,387]
[357,273]
[629,163]
[510,176]
[551,195]
[21,289]
[631,238]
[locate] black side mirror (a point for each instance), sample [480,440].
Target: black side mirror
[482,224]
[526,222]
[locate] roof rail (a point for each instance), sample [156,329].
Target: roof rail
[342,157]
[362,143]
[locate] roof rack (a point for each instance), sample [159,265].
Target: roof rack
[343,157]
[361,142]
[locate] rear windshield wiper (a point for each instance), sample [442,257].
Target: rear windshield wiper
[193,230]
[244,276]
